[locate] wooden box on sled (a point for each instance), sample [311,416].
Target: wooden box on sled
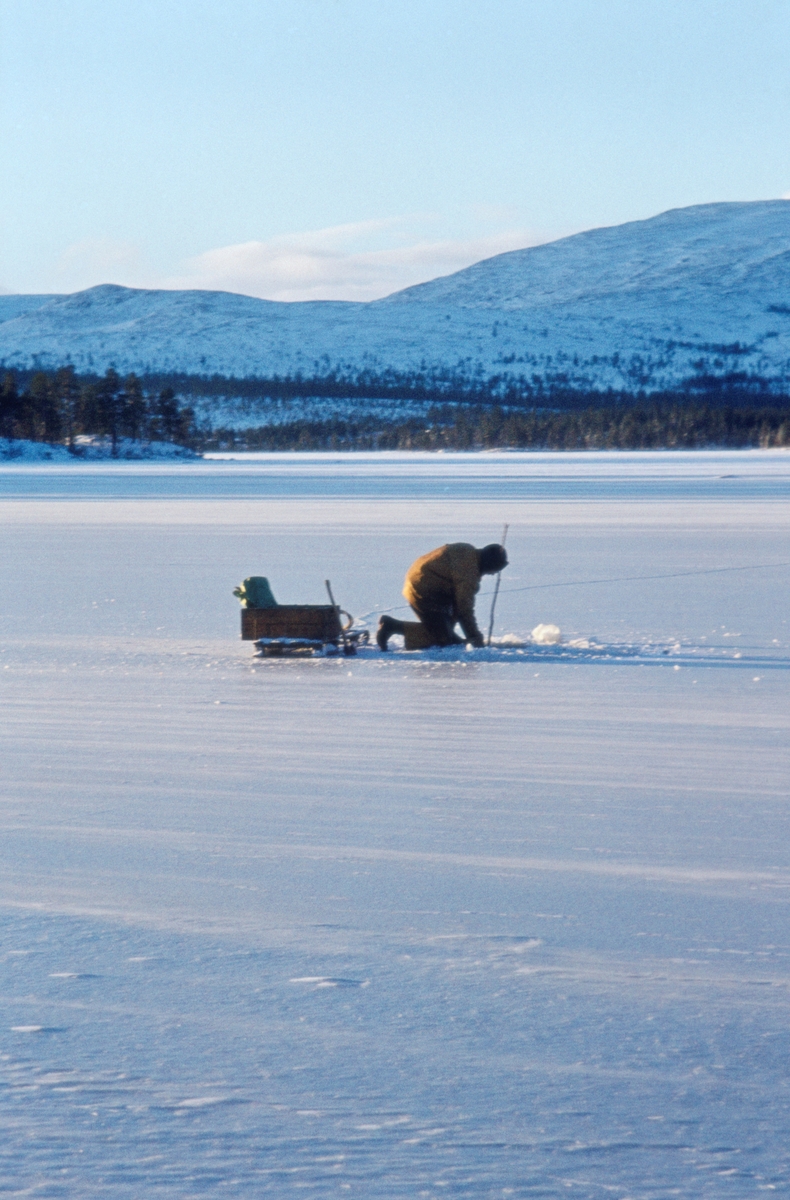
[313,622]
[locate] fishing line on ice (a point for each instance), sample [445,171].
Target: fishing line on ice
[537,587]
[533,587]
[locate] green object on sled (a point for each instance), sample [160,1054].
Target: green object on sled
[255,592]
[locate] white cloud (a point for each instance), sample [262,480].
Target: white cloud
[360,261]
[339,263]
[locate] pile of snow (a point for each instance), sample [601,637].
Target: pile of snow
[646,305]
[546,635]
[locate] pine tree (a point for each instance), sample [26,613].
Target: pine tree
[166,415]
[133,407]
[68,392]
[9,405]
[41,416]
[110,405]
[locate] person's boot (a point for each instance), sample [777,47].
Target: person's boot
[387,626]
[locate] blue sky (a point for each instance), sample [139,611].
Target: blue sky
[299,149]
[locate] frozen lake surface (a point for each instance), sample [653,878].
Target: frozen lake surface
[497,923]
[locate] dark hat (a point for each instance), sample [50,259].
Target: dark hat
[492,559]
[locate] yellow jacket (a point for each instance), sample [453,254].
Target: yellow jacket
[447,577]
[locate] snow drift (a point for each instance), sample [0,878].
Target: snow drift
[89,447]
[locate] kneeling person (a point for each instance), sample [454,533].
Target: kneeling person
[441,588]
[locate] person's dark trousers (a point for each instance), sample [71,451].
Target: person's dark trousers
[439,622]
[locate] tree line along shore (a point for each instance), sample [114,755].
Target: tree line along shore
[61,407]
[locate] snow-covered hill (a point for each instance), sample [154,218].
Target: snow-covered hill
[646,304]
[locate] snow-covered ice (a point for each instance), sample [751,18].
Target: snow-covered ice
[469,923]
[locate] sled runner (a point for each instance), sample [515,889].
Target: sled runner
[300,629]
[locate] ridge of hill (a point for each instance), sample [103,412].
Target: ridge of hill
[645,305]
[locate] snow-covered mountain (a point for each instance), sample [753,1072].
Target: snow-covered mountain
[646,304]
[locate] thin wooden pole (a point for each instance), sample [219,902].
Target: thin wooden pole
[496,591]
[348,647]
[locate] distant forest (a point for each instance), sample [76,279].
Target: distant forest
[61,406]
[644,425]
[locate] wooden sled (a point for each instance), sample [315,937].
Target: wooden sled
[300,629]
